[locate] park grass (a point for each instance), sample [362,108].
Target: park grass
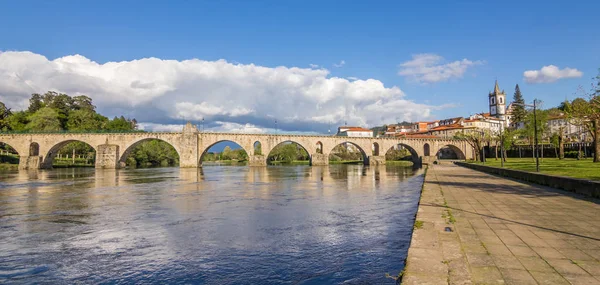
[569,167]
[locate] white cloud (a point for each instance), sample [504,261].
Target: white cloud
[431,68]
[161,92]
[342,63]
[313,65]
[352,78]
[549,74]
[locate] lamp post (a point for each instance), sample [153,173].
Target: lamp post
[482,148]
[202,124]
[275,126]
[502,144]
[535,136]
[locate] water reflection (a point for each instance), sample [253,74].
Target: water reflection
[217,224]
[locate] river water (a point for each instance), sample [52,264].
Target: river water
[216,225]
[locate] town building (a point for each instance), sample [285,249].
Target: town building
[347,131]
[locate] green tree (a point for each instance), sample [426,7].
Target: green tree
[119,124]
[226,154]
[18,121]
[83,102]
[5,113]
[45,119]
[35,103]
[518,111]
[476,139]
[85,120]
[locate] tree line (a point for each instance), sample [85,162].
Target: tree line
[55,112]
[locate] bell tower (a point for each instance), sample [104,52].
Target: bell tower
[497,101]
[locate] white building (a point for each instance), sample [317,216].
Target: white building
[346,131]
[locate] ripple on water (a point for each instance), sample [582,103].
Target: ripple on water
[343,224]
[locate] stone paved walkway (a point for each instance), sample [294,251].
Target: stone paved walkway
[482,229]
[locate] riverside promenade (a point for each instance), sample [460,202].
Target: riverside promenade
[481,229]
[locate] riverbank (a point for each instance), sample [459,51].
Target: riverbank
[8,166]
[476,228]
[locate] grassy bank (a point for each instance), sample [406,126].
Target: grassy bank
[569,167]
[399,162]
[345,162]
[8,166]
[295,162]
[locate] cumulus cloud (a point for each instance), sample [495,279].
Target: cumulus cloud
[431,68]
[549,74]
[161,92]
[312,65]
[342,63]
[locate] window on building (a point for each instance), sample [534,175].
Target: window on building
[492,100]
[500,100]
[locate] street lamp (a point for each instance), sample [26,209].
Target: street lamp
[202,124]
[537,159]
[502,144]
[482,148]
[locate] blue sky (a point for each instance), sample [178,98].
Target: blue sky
[498,40]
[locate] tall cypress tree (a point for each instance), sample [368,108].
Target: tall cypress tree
[518,111]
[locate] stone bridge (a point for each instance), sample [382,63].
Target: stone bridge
[112,149]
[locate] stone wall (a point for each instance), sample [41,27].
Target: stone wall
[579,186]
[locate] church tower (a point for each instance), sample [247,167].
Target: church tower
[497,100]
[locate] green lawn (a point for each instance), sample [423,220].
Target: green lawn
[571,167]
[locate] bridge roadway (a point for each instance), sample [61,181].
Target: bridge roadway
[38,150]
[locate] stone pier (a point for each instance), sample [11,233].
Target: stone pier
[107,156]
[30,162]
[319,159]
[257,160]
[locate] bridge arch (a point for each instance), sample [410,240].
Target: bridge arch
[49,156]
[414,155]
[426,150]
[127,151]
[257,148]
[205,151]
[308,154]
[375,148]
[34,149]
[457,151]
[319,147]
[8,148]
[364,157]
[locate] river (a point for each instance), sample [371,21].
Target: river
[215,225]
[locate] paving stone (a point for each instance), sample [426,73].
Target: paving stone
[507,262]
[565,266]
[549,278]
[581,279]
[498,249]
[574,254]
[518,250]
[486,275]
[517,276]
[535,264]
[506,232]
[547,252]
[592,267]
